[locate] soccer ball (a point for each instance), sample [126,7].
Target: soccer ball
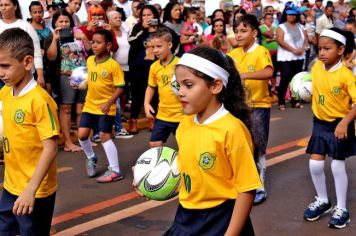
[174,85]
[79,78]
[156,173]
[305,91]
[297,82]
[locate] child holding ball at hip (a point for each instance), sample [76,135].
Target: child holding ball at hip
[219,174]
[333,105]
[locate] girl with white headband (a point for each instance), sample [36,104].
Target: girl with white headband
[334,90]
[219,174]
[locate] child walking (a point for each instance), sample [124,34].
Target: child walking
[161,71]
[254,63]
[334,90]
[105,84]
[219,175]
[30,144]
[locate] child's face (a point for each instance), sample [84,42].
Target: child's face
[99,46]
[329,52]
[192,18]
[62,22]
[75,5]
[12,71]
[37,13]
[161,48]
[194,93]
[245,35]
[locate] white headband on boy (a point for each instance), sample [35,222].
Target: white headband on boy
[205,66]
[335,35]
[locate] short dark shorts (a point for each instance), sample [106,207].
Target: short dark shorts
[324,142]
[212,221]
[37,223]
[103,122]
[162,129]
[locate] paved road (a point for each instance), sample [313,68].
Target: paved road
[84,207]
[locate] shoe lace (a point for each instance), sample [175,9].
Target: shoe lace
[315,205]
[337,213]
[90,163]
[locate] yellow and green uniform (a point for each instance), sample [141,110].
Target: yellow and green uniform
[255,59]
[333,91]
[169,107]
[103,79]
[215,161]
[28,119]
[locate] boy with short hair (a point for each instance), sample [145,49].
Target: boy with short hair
[161,72]
[105,84]
[31,130]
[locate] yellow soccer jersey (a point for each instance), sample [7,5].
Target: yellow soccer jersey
[169,107]
[28,119]
[215,161]
[103,79]
[258,59]
[333,91]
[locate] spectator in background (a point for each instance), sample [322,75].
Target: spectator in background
[292,43]
[160,11]
[201,18]
[11,17]
[132,19]
[173,18]
[121,56]
[189,37]
[340,7]
[124,4]
[217,39]
[72,8]
[325,21]
[238,14]
[318,8]
[51,9]
[341,20]
[108,5]
[217,14]
[36,13]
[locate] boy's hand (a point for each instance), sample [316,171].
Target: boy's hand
[105,108]
[341,130]
[24,203]
[149,111]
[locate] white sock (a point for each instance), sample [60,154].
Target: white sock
[111,153]
[341,181]
[87,148]
[318,176]
[261,164]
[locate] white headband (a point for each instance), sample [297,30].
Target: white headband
[335,35]
[205,66]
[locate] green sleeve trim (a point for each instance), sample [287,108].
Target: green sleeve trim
[120,86]
[51,118]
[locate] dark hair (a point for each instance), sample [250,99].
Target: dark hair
[251,21]
[234,20]
[18,43]
[233,96]
[106,34]
[216,11]
[54,6]
[18,13]
[62,12]
[34,3]
[268,14]
[106,4]
[122,12]
[217,20]
[350,43]
[153,10]
[189,11]
[163,32]
[167,12]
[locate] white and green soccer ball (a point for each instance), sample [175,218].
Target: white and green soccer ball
[156,173]
[300,86]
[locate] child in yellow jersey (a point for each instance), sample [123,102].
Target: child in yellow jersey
[254,64]
[334,108]
[105,84]
[161,71]
[219,174]
[31,130]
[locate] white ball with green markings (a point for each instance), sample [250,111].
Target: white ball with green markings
[156,173]
[297,82]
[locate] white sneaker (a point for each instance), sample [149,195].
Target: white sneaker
[123,134]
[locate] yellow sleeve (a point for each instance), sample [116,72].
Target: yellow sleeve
[118,76]
[265,59]
[152,77]
[351,88]
[46,120]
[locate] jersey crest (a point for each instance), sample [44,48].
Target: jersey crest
[19,116]
[206,161]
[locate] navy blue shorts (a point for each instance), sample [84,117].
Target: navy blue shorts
[37,223]
[212,221]
[260,129]
[103,122]
[162,129]
[324,142]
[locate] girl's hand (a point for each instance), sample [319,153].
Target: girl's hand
[79,35]
[24,203]
[341,130]
[148,111]
[92,24]
[56,34]
[107,26]
[105,108]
